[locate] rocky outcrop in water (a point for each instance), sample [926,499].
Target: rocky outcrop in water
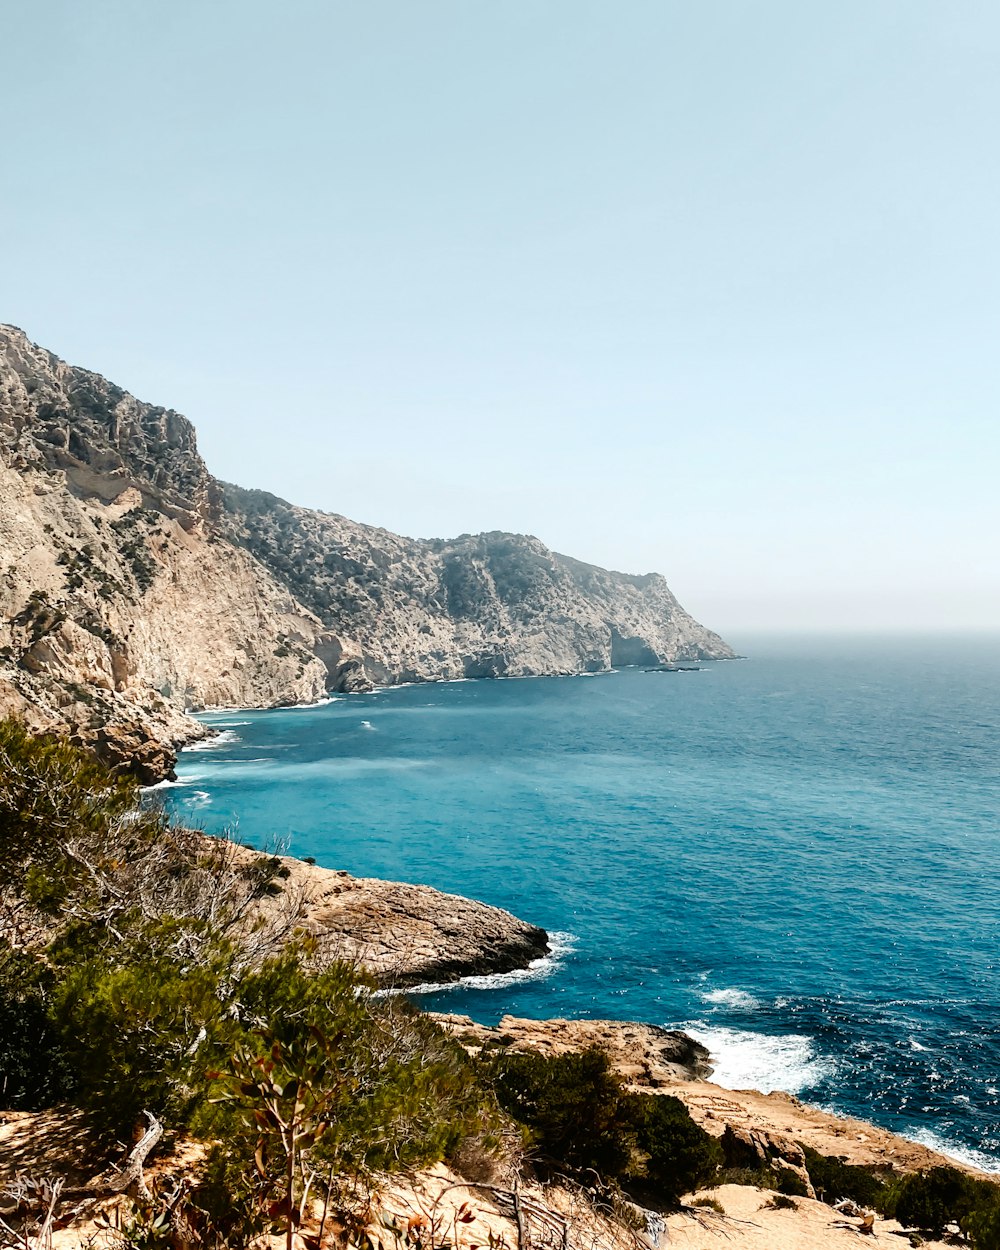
[645,1056]
[406,935]
[134,585]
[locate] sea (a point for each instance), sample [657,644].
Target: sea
[793,856]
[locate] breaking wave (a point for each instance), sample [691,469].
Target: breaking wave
[738,999]
[560,945]
[744,1060]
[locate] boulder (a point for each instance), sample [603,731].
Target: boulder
[760,1148]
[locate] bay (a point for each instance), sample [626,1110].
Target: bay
[793,856]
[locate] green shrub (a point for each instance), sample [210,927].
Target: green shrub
[834,1179]
[931,1200]
[135,1026]
[679,1154]
[33,1073]
[572,1103]
[325,1080]
[790,1183]
[53,794]
[982,1222]
[581,1119]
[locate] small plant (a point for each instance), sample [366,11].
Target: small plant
[292,1094]
[709,1204]
[780,1202]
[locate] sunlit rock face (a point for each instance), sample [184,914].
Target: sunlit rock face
[134,585]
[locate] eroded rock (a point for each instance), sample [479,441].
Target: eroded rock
[134,585]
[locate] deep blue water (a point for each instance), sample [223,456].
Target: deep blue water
[794,856]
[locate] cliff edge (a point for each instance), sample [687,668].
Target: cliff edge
[135,586]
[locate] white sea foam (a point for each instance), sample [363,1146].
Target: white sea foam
[560,945]
[738,999]
[311,770]
[173,785]
[206,714]
[224,739]
[768,1062]
[962,1154]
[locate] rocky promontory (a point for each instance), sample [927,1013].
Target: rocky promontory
[644,1055]
[755,1128]
[404,935]
[134,585]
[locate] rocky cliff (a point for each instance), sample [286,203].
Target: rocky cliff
[134,585]
[482,605]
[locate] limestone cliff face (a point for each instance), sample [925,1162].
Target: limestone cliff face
[120,605]
[133,585]
[483,605]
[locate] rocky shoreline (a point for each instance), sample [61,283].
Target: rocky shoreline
[135,584]
[407,935]
[773,1127]
[404,935]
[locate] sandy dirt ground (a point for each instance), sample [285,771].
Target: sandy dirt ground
[750,1224]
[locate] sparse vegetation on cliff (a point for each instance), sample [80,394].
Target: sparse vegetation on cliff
[141,983]
[142,986]
[580,1116]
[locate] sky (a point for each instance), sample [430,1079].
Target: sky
[710,289]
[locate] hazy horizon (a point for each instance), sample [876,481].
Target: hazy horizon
[709,293]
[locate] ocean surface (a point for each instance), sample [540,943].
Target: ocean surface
[795,856]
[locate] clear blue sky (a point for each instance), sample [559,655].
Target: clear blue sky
[706,288]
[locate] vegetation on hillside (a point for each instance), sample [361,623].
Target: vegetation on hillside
[141,982]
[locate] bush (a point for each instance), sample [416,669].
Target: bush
[932,1200]
[982,1223]
[573,1105]
[135,1028]
[32,1069]
[780,1202]
[834,1179]
[581,1119]
[150,972]
[679,1154]
[710,1204]
[51,795]
[324,1081]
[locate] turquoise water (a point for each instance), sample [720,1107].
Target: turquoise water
[793,856]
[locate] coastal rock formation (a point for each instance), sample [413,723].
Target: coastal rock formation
[752,1125]
[406,935]
[762,1148]
[134,585]
[483,605]
[643,1055]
